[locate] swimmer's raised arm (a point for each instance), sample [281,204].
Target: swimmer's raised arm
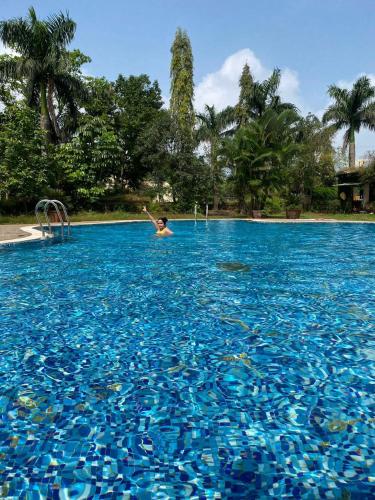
[150,217]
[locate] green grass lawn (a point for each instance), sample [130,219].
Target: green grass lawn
[119,215]
[343,217]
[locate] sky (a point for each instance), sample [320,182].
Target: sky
[315,43]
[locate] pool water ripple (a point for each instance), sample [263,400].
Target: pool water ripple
[233,360]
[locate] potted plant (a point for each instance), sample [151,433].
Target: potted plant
[293,212]
[293,207]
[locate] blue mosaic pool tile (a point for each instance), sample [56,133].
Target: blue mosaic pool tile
[212,383]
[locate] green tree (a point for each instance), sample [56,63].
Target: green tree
[314,165]
[243,109]
[137,118]
[182,90]
[261,96]
[24,165]
[42,63]
[89,163]
[259,155]
[64,105]
[182,118]
[100,98]
[212,127]
[351,110]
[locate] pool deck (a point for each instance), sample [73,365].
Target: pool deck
[10,233]
[13,233]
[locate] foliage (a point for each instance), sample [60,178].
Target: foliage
[259,154]
[351,110]
[182,91]
[258,97]
[42,64]
[100,98]
[243,109]
[274,205]
[325,198]
[212,127]
[189,180]
[111,144]
[368,173]
[24,162]
[89,163]
[142,126]
[314,164]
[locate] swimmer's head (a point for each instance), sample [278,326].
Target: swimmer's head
[162,222]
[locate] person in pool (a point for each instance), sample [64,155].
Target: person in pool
[160,224]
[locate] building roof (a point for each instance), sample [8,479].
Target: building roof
[348,184]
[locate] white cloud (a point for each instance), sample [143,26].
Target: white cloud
[6,50]
[221,88]
[349,84]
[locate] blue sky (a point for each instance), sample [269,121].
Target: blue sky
[314,42]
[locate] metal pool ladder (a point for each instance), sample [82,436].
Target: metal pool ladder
[62,215]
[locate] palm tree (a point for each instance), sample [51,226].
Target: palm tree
[351,110]
[212,127]
[261,97]
[42,63]
[258,154]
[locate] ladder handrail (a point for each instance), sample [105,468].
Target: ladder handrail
[67,219]
[39,204]
[46,207]
[44,204]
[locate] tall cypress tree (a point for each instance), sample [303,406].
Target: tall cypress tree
[184,173]
[243,107]
[182,90]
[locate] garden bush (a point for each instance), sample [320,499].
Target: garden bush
[325,198]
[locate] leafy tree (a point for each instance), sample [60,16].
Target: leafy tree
[42,63]
[68,101]
[23,160]
[314,165]
[182,118]
[190,181]
[351,110]
[154,144]
[256,99]
[182,90]
[100,98]
[137,119]
[90,162]
[212,127]
[244,106]
[259,154]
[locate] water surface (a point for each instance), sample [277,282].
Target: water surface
[232,360]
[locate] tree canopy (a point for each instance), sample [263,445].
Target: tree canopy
[90,139]
[351,110]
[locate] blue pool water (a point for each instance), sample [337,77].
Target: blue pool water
[232,360]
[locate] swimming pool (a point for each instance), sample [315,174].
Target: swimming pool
[232,360]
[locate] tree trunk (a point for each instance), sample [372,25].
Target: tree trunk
[45,123]
[214,169]
[351,150]
[51,109]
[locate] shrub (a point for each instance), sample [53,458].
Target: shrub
[325,198]
[274,205]
[370,207]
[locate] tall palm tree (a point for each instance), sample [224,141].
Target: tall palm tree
[212,127]
[42,62]
[258,154]
[351,110]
